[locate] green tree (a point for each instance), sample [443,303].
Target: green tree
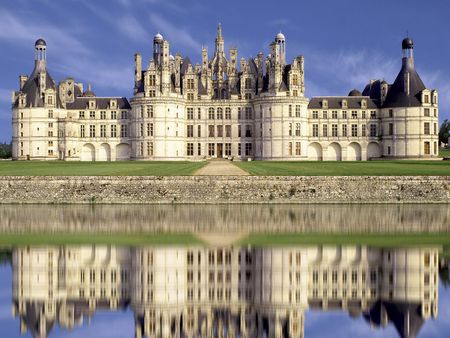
[444,131]
[5,150]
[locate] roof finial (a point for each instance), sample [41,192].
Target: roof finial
[89,87]
[219,30]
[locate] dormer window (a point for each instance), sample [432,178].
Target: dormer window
[344,104]
[364,104]
[113,104]
[50,99]
[324,103]
[426,99]
[91,104]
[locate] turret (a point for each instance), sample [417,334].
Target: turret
[219,40]
[157,48]
[281,46]
[40,55]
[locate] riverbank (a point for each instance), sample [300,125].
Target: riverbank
[224,189]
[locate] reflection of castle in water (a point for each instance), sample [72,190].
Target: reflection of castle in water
[224,292]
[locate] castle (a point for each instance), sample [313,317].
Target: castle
[221,292]
[223,107]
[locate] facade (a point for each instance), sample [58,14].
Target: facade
[223,107]
[225,291]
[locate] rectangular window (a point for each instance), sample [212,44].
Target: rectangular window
[290,110]
[373,130]
[219,131]
[334,114]
[290,129]
[373,114]
[190,149]
[354,114]
[344,130]
[149,129]
[149,148]
[354,130]
[227,131]
[325,114]
[152,80]
[363,130]
[297,129]
[315,130]
[199,149]
[344,114]
[391,129]
[199,113]
[248,113]
[227,149]
[290,149]
[123,130]
[82,131]
[426,128]
[298,148]
[91,131]
[248,149]
[190,113]
[190,131]
[435,129]
[211,149]
[239,149]
[190,83]
[102,115]
[297,111]
[248,130]
[102,131]
[210,131]
[391,113]
[150,111]
[228,113]
[199,130]
[315,114]
[427,148]
[334,130]
[219,113]
[190,96]
[211,113]
[325,130]
[123,115]
[81,114]
[141,130]
[114,115]
[239,131]
[363,114]
[113,131]
[92,114]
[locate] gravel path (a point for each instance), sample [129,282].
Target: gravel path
[220,168]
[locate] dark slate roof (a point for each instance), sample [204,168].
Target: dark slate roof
[31,87]
[335,102]
[397,95]
[201,88]
[355,92]
[185,65]
[101,103]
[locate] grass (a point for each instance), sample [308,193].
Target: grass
[377,240]
[134,239]
[444,152]
[129,168]
[360,168]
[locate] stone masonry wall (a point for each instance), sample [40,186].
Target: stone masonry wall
[224,189]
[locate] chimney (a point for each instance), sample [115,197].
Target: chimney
[22,79]
[138,67]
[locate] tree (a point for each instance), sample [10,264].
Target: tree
[444,131]
[5,150]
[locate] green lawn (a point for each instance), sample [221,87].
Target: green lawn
[134,239]
[360,168]
[378,240]
[444,152]
[131,168]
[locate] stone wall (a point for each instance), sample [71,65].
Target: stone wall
[224,189]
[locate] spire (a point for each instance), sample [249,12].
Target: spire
[219,31]
[219,40]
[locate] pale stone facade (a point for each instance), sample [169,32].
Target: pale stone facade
[223,107]
[224,292]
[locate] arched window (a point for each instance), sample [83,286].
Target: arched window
[211,113]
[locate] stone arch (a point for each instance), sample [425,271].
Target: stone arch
[373,150]
[315,151]
[104,152]
[334,152]
[354,152]
[123,152]
[88,152]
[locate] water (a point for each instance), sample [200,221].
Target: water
[222,288]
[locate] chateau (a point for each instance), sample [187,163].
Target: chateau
[226,291]
[223,107]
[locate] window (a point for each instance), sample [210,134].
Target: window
[427,99]
[334,130]
[190,113]
[199,153]
[123,115]
[82,131]
[295,93]
[290,149]
[344,114]
[211,113]
[248,149]
[149,129]
[334,114]
[141,130]
[290,129]
[290,110]
[315,114]
[354,130]
[123,130]
[297,111]
[113,115]
[211,149]
[113,130]
[373,130]
[150,111]
[248,130]
[373,114]
[219,113]
[199,130]
[190,131]
[228,113]
[91,131]
[248,83]
[391,113]
[239,131]
[190,149]
[199,113]
[297,129]
[391,129]
[426,128]
[315,130]
[219,131]
[325,130]
[103,115]
[295,79]
[354,114]
[92,114]
[227,131]
[102,130]
[227,149]
[50,114]
[152,80]
[363,114]
[190,83]
[210,131]
[239,149]
[50,143]
[50,133]
[325,114]
[344,130]
[298,148]
[151,93]
[427,148]
[190,96]
[248,113]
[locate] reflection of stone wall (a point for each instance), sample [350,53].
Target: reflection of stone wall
[223,189]
[231,218]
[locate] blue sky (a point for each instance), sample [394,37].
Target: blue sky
[345,43]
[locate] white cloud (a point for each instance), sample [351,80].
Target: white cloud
[177,35]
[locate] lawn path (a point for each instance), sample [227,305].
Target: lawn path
[220,168]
